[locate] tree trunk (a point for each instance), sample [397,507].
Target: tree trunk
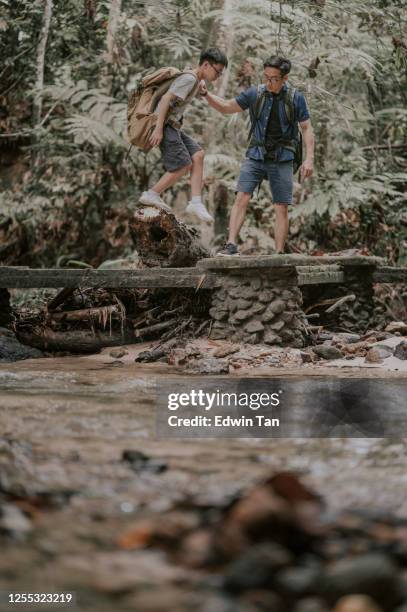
[42,44]
[80,341]
[107,70]
[161,240]
[228,36]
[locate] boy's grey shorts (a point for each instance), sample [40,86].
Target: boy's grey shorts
[177,149]
[279,175]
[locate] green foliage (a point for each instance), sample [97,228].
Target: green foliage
[349,58]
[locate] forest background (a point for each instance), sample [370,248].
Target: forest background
[67,188]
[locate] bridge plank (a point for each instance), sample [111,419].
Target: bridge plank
[19,278]
[389,274]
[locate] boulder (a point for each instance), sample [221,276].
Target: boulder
[12,350]
[325,351]
[401,350]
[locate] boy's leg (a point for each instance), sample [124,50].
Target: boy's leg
[169,179]
[197,173]
[196,206]
[176,159]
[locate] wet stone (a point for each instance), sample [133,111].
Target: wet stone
[262,600]
[401,350]
[218,315]
[347,338]
[356,603]
[310,604]
[13,522]
[241,315]
[397,326]
[257,308]
[266,296]
[377,354]
[272,338]
[218,334]
[256,567]
[298,581]
[268,315]
[12,350]
[209,365]
[277,325]
[371,574]
[242,304]
[139,462]
[327,352]
[118,352]
[277,306]
[254,326]
[287,317]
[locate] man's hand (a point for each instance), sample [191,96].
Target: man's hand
[203,90]
[307,169]
[156,137]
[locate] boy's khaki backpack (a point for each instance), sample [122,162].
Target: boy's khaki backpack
[141,115]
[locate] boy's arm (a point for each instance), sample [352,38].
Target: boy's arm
[157,134]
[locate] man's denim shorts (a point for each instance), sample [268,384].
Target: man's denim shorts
[177,149]
[279,175]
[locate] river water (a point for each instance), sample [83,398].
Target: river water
[64,424]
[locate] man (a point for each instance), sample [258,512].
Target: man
[180,152]
[270,153]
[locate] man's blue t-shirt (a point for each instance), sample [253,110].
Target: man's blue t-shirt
[247,100]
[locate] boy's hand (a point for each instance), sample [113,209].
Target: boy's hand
[203,90]
[156,137]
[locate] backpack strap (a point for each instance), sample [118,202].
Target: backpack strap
[289,103]
[194,90]
[258,107]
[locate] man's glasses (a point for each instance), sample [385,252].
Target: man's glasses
[218,72]
[272,79]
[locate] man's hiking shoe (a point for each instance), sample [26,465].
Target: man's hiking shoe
[153,199]
[199,210]
[228,249]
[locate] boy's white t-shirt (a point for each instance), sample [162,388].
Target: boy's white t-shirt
[181,87]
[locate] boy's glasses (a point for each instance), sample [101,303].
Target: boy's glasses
[218,72]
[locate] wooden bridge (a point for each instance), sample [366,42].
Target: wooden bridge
[208,273]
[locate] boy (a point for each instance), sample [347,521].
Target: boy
[180,152]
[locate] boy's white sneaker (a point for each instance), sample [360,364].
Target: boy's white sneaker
[199,210]
[148,197]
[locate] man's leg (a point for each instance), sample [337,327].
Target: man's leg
[251,174]
[281,226]
[237,215]
[281,184]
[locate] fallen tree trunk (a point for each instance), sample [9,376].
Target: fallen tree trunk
[161,240]
[81,341]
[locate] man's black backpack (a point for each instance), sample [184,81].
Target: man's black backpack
[294,145]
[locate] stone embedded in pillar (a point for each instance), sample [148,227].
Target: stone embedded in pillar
[259,306]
